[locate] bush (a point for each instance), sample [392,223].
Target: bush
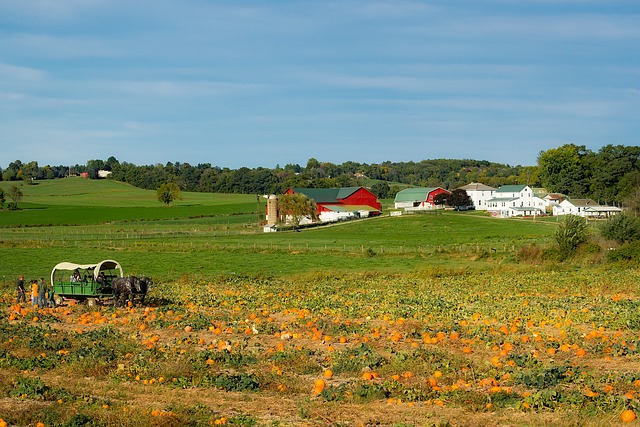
[621,228]
[534,254]
[627,252]
[571,232]
[530,253]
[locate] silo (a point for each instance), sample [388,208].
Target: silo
[272,210]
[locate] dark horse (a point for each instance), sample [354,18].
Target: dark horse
[141,287]
[125,289]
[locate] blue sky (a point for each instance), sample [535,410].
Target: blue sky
[265,83]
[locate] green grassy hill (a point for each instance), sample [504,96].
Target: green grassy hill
[75,191]
[77,201]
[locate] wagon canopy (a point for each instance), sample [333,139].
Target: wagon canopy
[107,264]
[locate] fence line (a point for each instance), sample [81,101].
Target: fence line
[162,246]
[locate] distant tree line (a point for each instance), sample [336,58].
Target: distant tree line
[204,177]
[609,175]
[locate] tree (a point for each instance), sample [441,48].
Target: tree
[30,172]
[621,228]
[16,195]
[312,163]
[2,199]
[611,169]
[441,199]
[459,197]
[93,166]
[633,202]
[380,189]
[168,192]
[295,207]
[564,170]
[571,232]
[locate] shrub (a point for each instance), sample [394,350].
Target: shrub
[530,253]
[571,232]
[627,252]
[621,228]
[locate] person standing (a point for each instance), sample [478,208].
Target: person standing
[34,293]
[42,293]
[52,300]
[20,290]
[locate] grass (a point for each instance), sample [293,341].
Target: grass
[216,234]
[75,191]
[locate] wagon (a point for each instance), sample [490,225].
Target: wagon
[85,282]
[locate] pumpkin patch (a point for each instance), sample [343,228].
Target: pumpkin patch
[474,347]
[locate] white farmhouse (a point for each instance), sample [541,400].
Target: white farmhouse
[551,200]
[515,200]
[480,194]
[587,208]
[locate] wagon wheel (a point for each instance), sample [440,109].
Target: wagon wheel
[57,299]
[91,302]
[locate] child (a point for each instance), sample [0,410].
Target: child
[34,293]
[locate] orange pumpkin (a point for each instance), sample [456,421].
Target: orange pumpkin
[627,416]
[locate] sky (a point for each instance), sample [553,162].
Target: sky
[262,83]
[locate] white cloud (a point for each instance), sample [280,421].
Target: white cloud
[9,96]
[20,73]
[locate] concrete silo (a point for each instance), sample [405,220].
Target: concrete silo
[272,210]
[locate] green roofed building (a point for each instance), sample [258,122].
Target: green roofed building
[418,197]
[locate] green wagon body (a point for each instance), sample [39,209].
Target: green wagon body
[88,287]
[81,290]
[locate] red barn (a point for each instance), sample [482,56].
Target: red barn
[341,200]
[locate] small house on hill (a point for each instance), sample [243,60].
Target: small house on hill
[419,198]
[341,203]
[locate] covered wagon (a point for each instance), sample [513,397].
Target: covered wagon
[89,282]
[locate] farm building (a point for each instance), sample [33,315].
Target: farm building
[553,198]
[586,208]
[479,194]
[515,200]
[419,198]
[341,203]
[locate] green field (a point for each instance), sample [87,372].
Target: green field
[218,234]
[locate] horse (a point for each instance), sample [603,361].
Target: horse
[122,290]
[127,288]
[141,286]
